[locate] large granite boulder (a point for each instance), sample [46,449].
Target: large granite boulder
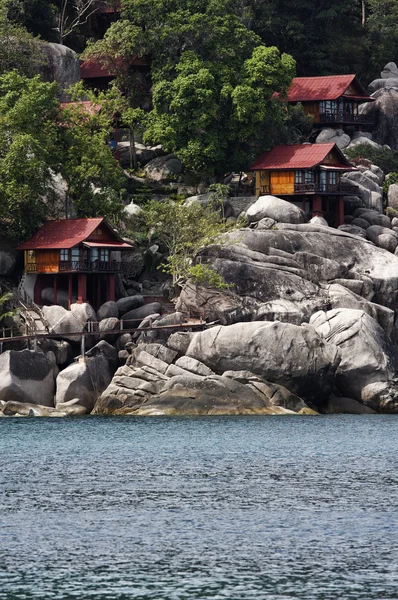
[385,114]
[292,356]
[7,262]
[162,167]
[83,312]
[108,310]
[62,66]
[138,314]
[28,376]
[86,379]
[62,322]
[393,196]
[274,208]
[382,237]
[291,263]
[328,135]
[124,305]
[369,362]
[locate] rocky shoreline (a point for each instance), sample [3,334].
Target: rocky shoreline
[309,326]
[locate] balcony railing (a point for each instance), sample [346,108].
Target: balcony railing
[322,188]
[97,266]
[79,266]
[314,188]
[343,117]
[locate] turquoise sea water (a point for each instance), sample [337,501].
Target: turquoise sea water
[218,507]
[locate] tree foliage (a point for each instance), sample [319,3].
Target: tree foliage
[183,229]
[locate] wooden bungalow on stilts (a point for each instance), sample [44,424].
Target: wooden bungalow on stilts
[75,259]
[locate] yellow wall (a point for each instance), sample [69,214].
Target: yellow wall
[262,183]
[282,182]
[312,108]
[42,261]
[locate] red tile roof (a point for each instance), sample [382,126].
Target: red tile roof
[93,68]
[66,234]
[324,88]
[304,156]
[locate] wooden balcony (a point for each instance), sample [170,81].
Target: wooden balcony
[83,266]
[323,188]
[346,118]
[76,266]
[314,188]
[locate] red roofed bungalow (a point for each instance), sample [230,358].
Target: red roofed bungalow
[308,175]
[77,259]
[98,75]
[331,100]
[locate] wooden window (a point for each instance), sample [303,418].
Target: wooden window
[94,254]
[299,177]
[309,176]
[64,254]
[332,178]
[104,254]
[76,253]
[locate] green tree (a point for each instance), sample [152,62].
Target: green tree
[183,229]
[19,49]
[93,176]
[29,155]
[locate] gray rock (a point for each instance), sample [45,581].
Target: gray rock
[109,325]
[382,84]
[266,223]
[83,313]
[162,167]
[143,358]
[333,136]
[133,264]
[354,229]
[389,71]
[7,262]
[27,376]
[140,313]
[132,210]
[393,195]
[61,349]
[159,351]
[194,366]
[62,66]
[367,357]
[292,356]
[180,341]
[47,295]
[130,303]
[319,221]
[363,180]
[122,340]
[107,310]
[62,322]
[382,237]
[86,380]
[340,405]
[275,208]
[385,114]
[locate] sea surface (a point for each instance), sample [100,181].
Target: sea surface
[274,507]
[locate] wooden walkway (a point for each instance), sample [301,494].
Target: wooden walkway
[192,324]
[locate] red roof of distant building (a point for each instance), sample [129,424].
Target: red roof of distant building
[94,68]
[304,156]
[86,105]
[68,233]
[307,89]
[110,7]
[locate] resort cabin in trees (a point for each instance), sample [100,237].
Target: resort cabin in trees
[309,175]
[74,260]
[333,100]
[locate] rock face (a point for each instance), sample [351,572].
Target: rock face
[7,263]
[328,135]
[86,380]
[62,66]
[275,208]
[291,263]
[369,362]
[385,113]
[292,356]
[393,196]
[151,383]
[27,376]
[162,167]
[63,322]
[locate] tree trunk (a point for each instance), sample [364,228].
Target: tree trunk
[363,2]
